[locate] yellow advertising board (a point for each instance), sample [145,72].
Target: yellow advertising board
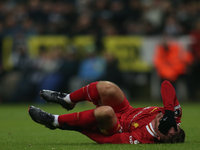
[48,41]
[127,49]
[33,44]
[82,43]
[6,53]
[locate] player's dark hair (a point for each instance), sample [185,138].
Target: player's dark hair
[179,138]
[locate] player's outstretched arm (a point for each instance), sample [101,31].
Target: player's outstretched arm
[169,97]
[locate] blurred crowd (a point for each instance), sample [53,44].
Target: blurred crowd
[58,68]
[54,66]
[107,17]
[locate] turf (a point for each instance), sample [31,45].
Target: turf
[19,132]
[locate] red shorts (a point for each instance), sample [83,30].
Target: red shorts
[123,107]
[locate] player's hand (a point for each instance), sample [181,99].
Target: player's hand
[167,121]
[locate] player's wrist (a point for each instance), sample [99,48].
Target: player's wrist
[169,113]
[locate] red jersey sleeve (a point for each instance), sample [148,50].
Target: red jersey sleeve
[168,95]
[120,138]
[170,100]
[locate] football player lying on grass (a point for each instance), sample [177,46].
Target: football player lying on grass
[114,120]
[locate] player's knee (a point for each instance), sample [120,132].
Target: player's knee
[107,88]
[104,113]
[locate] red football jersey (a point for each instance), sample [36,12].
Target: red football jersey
[137,127]
[136,122]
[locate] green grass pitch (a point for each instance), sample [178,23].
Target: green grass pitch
[19,132]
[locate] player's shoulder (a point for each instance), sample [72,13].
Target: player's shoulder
[153,108]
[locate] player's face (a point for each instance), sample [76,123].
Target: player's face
[160,136]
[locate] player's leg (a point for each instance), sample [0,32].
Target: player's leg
[107,120]
[73,121]
[110,93]
[100,93]
[104,117]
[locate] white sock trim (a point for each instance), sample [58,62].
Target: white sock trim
[55,123]
[67,99]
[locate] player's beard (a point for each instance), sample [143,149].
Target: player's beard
[161,137]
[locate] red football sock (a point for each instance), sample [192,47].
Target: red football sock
[115,129]
[89,93]
[85,119]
